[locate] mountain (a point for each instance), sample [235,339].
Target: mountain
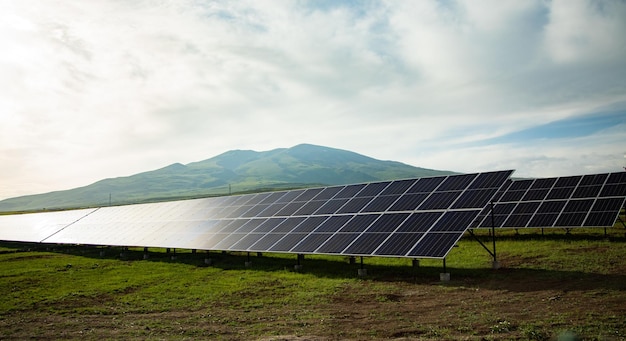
[235,171]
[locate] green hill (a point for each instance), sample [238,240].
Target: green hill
[235,171]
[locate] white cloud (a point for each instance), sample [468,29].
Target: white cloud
[105,88]
[586,31]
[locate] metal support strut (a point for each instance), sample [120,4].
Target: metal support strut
[493,234]
[493,240]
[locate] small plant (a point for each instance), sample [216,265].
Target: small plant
[438,332]
[501,327]
[534,333]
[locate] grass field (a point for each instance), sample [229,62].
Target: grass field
[549,287]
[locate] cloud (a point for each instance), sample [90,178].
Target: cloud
[586,31]
[102,89]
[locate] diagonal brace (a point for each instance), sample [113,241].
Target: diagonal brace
[471,232]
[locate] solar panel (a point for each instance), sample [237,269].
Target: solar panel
[574,201]
[421,217]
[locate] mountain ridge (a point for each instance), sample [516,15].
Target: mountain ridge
[234,171]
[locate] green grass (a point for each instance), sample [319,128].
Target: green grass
[547,285]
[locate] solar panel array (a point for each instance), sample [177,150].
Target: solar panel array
[575,201]
[420,218]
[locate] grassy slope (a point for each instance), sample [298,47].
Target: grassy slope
[299,166]
[548,284]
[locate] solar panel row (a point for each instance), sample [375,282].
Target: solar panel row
[420,218]
[574,201]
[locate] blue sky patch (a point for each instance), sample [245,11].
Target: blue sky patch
[567,128]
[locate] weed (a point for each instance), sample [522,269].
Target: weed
[501,327]
[534,333]
[438,332]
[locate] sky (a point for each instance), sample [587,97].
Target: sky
[107,88]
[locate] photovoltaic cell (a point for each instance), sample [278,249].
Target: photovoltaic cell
[358,223]
[398,187]
[308,194]
[455,183]
[288,225]
[288,242]
[366,243]
[587,191]
[310,207]
[355,205]
[419,222]
[328,192]
[349,191]
[373,189]
[455,221]
[331,206]
[311,243]
[290,208]
[426,185]
[381,203]
[439,201]
[475,198]
[310,224]
[399,244]
[332,224]
[388,223]
[265,242]
[435,244]
[409,202]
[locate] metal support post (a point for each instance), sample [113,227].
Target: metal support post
[362,271]
[493,235]
[207,258]
[445,275]
[298,266]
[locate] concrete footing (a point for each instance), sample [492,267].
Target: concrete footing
[297,267]
[495,265]
[146,256]
[444,277]
[362,272]
[208,261]
[248,264]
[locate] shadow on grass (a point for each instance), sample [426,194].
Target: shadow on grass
[509,279]
[553,234]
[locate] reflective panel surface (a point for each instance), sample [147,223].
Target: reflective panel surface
[422,218]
